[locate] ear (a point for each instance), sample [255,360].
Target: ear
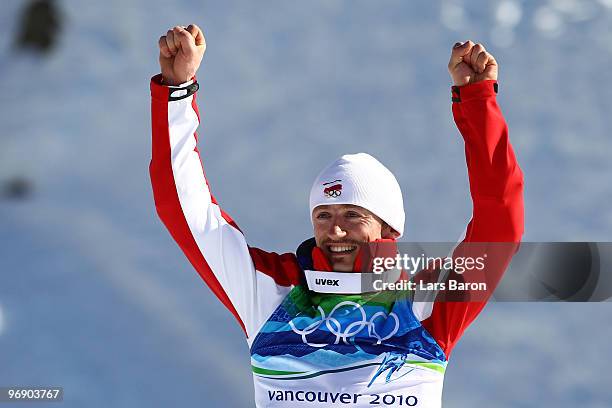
[387,232]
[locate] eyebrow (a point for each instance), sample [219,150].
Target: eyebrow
[343,206]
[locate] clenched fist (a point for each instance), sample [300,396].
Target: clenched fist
[180,53]
[470,63]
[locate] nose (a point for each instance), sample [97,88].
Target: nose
[336,231]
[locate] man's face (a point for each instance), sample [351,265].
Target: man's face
[339,229]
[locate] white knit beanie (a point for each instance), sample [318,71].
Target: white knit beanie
[360,179]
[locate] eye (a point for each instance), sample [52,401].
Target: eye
[322,215]
[352,214]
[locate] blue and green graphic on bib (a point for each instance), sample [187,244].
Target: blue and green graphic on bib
[312,334]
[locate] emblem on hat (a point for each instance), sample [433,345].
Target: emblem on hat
[333,189]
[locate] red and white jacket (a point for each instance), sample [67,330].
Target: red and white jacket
[252,282]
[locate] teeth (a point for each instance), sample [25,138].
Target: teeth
[344,248]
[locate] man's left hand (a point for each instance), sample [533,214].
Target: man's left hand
[470,63]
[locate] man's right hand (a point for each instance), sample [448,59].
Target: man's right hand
[180,53]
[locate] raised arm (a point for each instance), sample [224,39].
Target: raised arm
[496,182]
[248,281]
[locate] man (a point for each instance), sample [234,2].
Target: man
[314,346]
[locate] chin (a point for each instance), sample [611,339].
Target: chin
[342,268]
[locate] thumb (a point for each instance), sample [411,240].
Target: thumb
[197,34]
[459,51]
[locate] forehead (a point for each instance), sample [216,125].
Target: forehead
[339,207]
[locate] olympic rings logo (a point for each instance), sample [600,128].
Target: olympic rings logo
[332,189]
[354,328]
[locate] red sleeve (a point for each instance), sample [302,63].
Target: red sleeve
[496,186]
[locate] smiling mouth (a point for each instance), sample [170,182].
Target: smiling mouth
[341,249]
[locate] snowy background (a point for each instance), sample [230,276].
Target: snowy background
[97,298]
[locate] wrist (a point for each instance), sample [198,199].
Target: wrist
[476,90]
[169,81]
